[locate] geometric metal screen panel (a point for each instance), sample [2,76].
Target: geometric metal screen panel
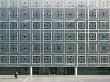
[54,33]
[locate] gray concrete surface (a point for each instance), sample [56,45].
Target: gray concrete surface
[55,78]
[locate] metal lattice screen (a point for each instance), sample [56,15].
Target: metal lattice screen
[54,33]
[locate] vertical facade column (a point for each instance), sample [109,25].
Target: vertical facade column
[30,70]
[76,71]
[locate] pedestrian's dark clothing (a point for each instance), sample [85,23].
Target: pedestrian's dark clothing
[16,75]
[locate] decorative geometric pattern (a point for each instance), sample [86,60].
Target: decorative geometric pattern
[24,59]
[70,36]
[81,59]
[92,59]
[47,59]
[70,59]
[36,59]
[14,35]
[92,47]
[69,25]
[3,59]
[70,48]
[13,47]
[58,25]
[58,48]
[3,35]
[47,48]
[58,59]
[3,25]
[104,59]
[36,48]
[4,47]
[13,59]
[54,33]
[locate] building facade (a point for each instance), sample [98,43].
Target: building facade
[54,33]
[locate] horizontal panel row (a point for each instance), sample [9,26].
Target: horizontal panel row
[54,13]
[48,25]
[57,59]
[26,36]
[52,3]
[26,48]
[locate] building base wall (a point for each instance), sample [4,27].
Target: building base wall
[93,70]
[55,70]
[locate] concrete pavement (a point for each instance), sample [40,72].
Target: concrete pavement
[55,78]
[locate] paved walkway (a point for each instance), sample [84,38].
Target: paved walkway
[55,78]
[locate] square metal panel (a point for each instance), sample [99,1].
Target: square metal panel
[81,14]
[47,14]
[13,3]
[3,36]
[24,25]
[103,25]
[25,48]
[58,14]
[25,36]
[36,25]
[81,25]
[3,14]
[13,48]
[47,47]
[47,59]
[13,25]
[24,59]
[36,48]
[93,47]
[92,25]
[36,59]
[3,3]
[58,25]
[13,35]
[92,36]
[3,59]
[104,59]
[58,59]
[104,36]
[70,59]
[4,47]
[92,59]
[81,59]
[36,36]
[103,47]
[13,14]
[47,25]
[58,36]
[3,25]
[70,36]
[103,14]
[70,48]
[81,48]
[47,36]
[13,59]
[92,14]
[24,14]
[58,48]
[69,25]
[69,14]
[81,36]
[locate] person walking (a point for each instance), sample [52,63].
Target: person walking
[16,75]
